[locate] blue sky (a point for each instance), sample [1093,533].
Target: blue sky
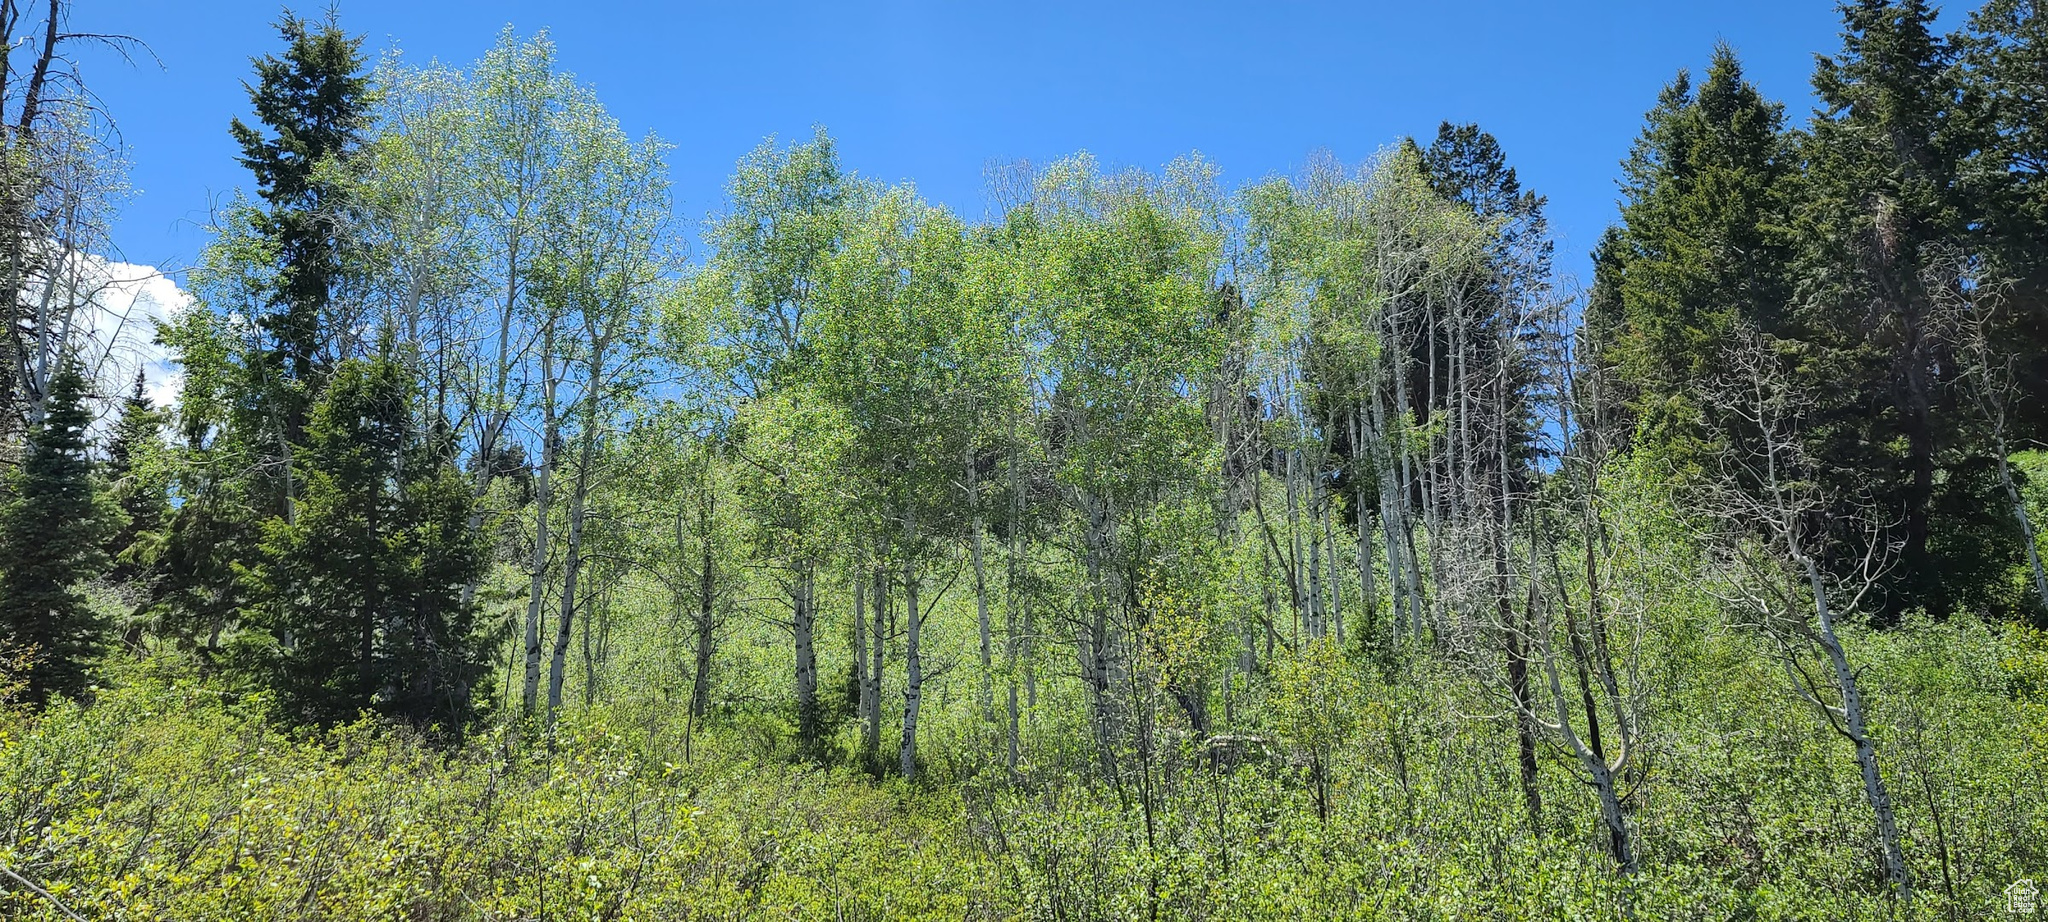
[930,92]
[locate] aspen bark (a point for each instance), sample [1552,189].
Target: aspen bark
[1335,608]
[572,568]
[871,732]
[700,680]
[803,628]
[987,692]
[913,668]
[1857,730]
[543,499]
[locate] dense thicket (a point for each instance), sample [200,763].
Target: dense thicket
[1151,548]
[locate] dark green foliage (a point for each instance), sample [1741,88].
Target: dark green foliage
[1466,164]
[366,583]
[1701,252]
[1849,248]
[217,482]
[312,103]
[51,530]
[197,593]
[1882,227]
[137,477]
[2005,179]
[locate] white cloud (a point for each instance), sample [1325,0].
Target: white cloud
[140,297]
[118,307]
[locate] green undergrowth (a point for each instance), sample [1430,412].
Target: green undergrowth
[174,798]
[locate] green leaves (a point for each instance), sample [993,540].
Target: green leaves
[52,524]
[367,578]
[1702,253]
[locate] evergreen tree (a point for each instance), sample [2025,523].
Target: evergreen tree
[137,479]
[1466,164]
[51,531]
[255,360]
[1881,217]
[2005,180]
[1701,251]
[314,102]
[368,579]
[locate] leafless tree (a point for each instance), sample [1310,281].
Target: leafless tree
[1581,642]
[1970,314]
[1790,575]
[61,177]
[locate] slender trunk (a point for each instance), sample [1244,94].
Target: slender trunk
[1596,744]
[871,733]
[1517,641]
[1416,595]
[1858,733]
[1027,647]
[1266,556]
[590,655]
[1432,466]
[1012,601]
[1369,594]
[496,415]
[1400,577]
[572,567]
[1525,735]
[700,680]
[1368,591]
[1599,772]
[1404,497]
[1335,609]
[987,696]
[1317,610]
[1610,814]
[1468,493]
[1275,555]
[860,642]
[1299,587]
[803,628]
[913,668]
[1095,638]
[543,500]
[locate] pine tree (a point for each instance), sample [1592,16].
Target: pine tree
[137,479]
[1701,250]
[1882,211]
[51,531]
[245,404]
[1467,165]
[314,102]
[368,579]
[2006,182]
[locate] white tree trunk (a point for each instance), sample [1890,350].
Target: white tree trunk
[1854,727]
[543,500]
[803,627]
[913,671]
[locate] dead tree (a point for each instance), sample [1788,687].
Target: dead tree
[1971,315]
[1586,700]
[1792,574]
